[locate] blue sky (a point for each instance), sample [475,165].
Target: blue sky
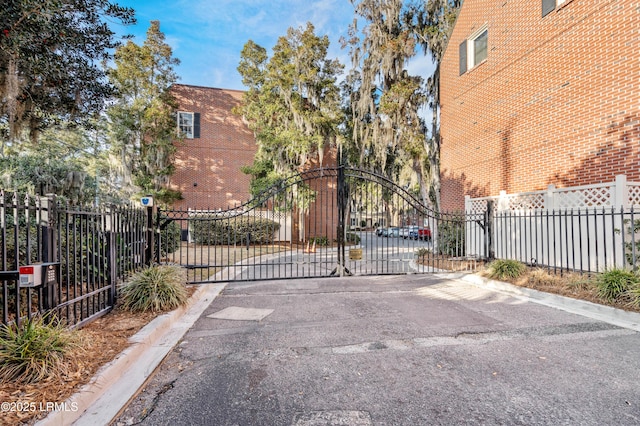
[208,35]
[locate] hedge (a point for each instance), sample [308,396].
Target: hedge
[211,230]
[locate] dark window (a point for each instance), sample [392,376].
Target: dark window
[463,57]
[185,124]
[189,124]
[474,50]
[548,6]
[196,125]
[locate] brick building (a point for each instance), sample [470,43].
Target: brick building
[539,92]
[217,144]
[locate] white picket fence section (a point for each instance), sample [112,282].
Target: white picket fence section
[579,228]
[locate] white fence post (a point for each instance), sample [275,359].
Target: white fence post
[470,226]
[503,202]
[621,204]
[620,193]
[550,202]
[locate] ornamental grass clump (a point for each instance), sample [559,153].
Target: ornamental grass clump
[634,297]
[539,277]
[35,350]
[156,288]
[423,251]
[617,283]
[506,269]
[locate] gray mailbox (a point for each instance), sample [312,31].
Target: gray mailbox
[44,277]
[30,275]
[38,274]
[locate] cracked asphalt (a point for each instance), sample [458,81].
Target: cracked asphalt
[391,350]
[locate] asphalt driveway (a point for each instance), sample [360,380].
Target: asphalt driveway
[391,350]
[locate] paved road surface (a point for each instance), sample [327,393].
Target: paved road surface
[392,350]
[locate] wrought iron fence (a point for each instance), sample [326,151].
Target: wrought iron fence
[583,229]
[326,222]
[581,240]
[72,258]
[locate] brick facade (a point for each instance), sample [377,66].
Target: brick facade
[208,168]
[556,101]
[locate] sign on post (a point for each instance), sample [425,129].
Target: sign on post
[146,201]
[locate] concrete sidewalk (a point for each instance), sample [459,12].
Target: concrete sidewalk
[115,384]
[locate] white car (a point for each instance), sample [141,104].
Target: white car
[408,231]
[394,231]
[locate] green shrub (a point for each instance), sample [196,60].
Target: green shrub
[27,237]
[34,351]
[320,241]
[156,288]
[213,230]
[633,295]
[353,238]
[506,269]
[451,237]
[616,282]
[169,238]
[632,244]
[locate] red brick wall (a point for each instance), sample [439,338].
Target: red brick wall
[213,161]
[556,101]
[322,217]
[208,168]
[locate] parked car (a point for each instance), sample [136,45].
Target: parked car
[394,231]
[408,231]
[421,233]
[380,231]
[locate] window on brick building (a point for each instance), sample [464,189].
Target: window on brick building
[189,124]
[549,5]
[474,49]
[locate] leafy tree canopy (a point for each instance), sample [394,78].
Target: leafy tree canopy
[432,22]
[59,164]
[51,57]
[292,102]
[143,122]
[387,128]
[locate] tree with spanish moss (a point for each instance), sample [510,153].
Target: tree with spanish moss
[51,56]
[292,102]
[388,130]
[432,21]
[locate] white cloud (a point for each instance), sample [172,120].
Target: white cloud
[421,65]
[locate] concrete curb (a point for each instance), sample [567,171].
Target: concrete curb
[618,317]
[100,400]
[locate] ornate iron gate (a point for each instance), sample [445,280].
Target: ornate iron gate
[319,223]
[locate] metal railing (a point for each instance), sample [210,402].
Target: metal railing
[79,254]
[589,228]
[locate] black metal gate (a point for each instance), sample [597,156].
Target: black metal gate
[320,223]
